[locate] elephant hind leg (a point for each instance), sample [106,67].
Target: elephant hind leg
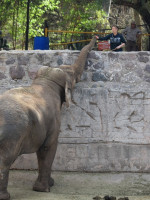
[7,157]
[4,195]
[40,186]
[45,157]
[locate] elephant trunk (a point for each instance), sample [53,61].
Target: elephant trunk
[79,65]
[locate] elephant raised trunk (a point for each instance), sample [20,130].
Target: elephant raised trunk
[74,72]
[79,64]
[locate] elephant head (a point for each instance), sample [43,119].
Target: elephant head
[67,75]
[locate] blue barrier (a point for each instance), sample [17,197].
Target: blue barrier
[41,43]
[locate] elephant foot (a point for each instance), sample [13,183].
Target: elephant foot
[4,196]
[42,187]
[51,182]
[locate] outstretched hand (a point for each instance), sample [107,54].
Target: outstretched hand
[96,37]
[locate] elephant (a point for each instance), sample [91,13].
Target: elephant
[30,119]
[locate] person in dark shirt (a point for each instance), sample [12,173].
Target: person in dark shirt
[117,41]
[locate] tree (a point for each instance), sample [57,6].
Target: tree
[141,6]
[13,19]
[82,16]
[27,25]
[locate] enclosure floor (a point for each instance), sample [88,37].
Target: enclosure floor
[81,186]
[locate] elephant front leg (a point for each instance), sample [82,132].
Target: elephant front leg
[4,173]
[45,157]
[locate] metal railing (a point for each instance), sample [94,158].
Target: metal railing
[46,31]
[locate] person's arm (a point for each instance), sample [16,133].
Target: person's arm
[122,42]
[107,37]
[120,46]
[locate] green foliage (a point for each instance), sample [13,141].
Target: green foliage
[82,17]
[13,19]
[72,15]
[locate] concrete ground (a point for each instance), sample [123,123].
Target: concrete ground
[81,186]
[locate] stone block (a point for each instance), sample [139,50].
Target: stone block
[16,72]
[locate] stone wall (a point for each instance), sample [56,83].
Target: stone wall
[107,128]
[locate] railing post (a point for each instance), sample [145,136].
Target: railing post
[46,32]
[27,25]
[139,43]
[45,29]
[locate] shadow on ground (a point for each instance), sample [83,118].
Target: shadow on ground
[81,186]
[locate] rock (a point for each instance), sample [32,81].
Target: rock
[93,55]
[143,59]
[113,56]
[147,68]
[97,198]
[89,64]
[40,58]
[16,72]
[59,60]
[97,76]
[147,78]
[23,60]
[10,60]
[110,198]
[2,76]
[99,65]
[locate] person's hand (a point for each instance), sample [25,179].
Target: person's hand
[96,37]
[118,47]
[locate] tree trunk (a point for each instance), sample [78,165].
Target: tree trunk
[16,28]
[142,8]
[27,25]
[13,31]
[137,20]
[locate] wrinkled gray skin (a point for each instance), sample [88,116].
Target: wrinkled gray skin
[30,119]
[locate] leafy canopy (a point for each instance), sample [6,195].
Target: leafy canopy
[73,15]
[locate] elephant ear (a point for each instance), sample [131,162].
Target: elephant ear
[70,82]
[68,95]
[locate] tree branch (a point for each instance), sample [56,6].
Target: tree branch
[144,12]
[127,3]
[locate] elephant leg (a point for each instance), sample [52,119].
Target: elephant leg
[45,157]
[4,173]
[6,159]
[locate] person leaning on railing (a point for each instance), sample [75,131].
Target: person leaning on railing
[117,41]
